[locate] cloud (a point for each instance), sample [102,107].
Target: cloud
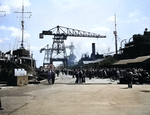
[6,39]
[3,27]
[15,3]
[1,41]
[8,5]
[128,21]
[98,29]
[111,19]
[144,18]
[132,20]
[4,10]
[17,32]
[14,30]
[134,13]
[103,47]
[66,4]
[34,48]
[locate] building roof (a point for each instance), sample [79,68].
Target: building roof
[122,62]
[140,59]
[136,60]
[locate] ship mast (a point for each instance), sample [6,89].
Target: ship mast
[115,33]
[22,24]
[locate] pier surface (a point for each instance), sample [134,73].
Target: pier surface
[95,97]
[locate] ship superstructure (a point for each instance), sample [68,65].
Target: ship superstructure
[138,45]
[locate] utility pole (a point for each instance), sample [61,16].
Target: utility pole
[115,33]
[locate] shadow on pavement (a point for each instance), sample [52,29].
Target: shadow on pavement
[84,83]
[145,91]
[124,88]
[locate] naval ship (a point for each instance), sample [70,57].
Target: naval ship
[19,58]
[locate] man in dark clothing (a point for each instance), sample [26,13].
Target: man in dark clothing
[129,78]
[90,74]
[80,76]
[77,76]
[51,76]
[84,76]
[57,71]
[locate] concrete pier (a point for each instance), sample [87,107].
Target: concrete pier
[95,97]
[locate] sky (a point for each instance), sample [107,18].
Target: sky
[95,16]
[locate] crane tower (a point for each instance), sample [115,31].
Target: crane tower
[58,49]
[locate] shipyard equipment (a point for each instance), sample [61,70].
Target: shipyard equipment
[71,57]
[58,49]
[47,50]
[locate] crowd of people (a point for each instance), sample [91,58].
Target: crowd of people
[81,74]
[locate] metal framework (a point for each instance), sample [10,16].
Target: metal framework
[62,33]
[58,49]
[47,50]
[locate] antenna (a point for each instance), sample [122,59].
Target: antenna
[22,23]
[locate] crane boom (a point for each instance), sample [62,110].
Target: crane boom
[63,32]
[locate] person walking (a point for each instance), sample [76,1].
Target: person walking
[51,76]
[90,74]
[80,76]
[57,72]
[84,76]
[77,76]
[129,77]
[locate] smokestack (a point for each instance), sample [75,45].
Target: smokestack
[93,48]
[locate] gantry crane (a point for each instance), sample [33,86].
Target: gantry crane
[58,50]
[47,50]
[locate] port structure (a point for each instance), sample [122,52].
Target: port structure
[57,52]
[71,47]
[71,57]
[47,50]
[47,54]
